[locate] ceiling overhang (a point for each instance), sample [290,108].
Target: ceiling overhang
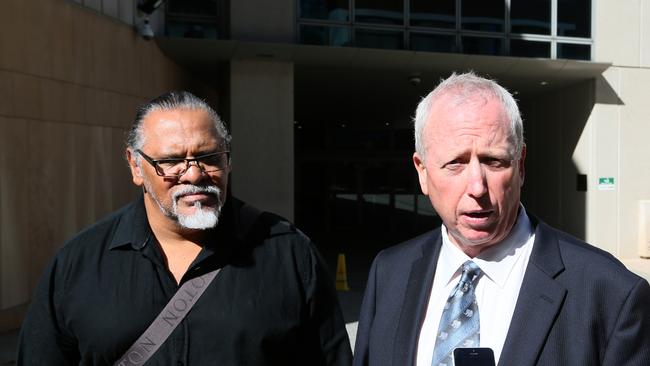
[524,75]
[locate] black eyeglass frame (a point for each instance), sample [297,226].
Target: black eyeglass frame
[159,171]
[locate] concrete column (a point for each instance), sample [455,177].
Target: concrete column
[261,120]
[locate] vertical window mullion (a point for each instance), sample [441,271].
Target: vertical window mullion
[459,47]
[553,29]
[507,30]
[353,33]
[407,24]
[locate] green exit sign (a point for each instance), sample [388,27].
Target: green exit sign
[606,184]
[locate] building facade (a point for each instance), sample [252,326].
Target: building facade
[319,96]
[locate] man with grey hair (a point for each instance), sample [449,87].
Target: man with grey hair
[494,283]
[266,297]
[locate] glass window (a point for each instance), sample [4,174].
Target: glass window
[405,202]
[94,4]
[523,48]
[109,7]
[325,36]
[433,42]
[325,9]
[574,18]
[530,16]
[379,11]
[482,45]
[424,206]
[371,38]
[483,15]
[193,7]
[191,29]
[574,51]
[427,13]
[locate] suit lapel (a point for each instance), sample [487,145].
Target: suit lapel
[416,299]
[540,299]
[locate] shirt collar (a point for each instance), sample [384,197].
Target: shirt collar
[496,262]
[133,227]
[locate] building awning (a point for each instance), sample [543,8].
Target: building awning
[350,68]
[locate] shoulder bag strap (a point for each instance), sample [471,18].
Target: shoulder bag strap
[167,320]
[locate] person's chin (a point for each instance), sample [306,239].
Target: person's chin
[475,237]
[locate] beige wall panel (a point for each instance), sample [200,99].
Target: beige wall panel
[14,213]
[102,107]
[617,36]
[103,71]
[83,41]
[51,192]
[27,96]
[61,38]
[128,60]
[635,155]
[126,110]
[73,185]
[124,191]
[11,52]
[34,32]
[6,93]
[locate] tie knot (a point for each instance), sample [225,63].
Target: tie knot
[470,272]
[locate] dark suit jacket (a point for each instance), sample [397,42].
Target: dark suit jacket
[577,306]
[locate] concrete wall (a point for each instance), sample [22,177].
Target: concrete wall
[262,107]
[261,100]
[70,81]
[614,141]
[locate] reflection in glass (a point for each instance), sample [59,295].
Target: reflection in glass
[324,36]
[191,29]
[424,206]
[427,13]
[574,18]
[530,16]
[371,38]
[482,46]
[574,51]
[523,48]
[483,15]
[379,12]
[325,9]
[433,42]
[193,7]
[405,202]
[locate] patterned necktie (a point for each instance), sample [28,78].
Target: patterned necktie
[459,323]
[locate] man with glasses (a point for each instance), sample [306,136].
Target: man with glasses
[271,301]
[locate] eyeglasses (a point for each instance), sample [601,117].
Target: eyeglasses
[175,167]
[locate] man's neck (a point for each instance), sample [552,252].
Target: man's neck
[179,246]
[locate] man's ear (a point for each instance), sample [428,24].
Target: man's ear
[136,171]
[422,172]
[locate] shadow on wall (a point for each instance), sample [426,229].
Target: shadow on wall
[556,185]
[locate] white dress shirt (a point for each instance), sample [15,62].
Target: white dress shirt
[503,266]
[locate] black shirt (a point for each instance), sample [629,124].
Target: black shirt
[272,303]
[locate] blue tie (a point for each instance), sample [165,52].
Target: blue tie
[459,323]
